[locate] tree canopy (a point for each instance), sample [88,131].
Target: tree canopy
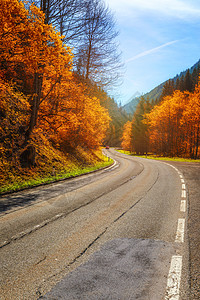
[170,128]
[38,82]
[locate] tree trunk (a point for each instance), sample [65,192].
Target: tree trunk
[88,61]
[38,79]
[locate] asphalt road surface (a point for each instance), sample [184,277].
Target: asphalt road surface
[191,173]
[127,232]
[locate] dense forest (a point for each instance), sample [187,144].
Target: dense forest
[57,59]
[170,125]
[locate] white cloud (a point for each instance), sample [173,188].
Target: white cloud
[153,50]
[175,8]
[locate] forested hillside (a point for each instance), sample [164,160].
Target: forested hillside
[54,111]
[118,117]
[170,125]
[184,81]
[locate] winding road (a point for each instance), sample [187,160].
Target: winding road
[118,233]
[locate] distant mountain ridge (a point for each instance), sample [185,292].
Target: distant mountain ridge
[155,93]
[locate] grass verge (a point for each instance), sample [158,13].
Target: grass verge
[160,157]
[52,166]
[32,182]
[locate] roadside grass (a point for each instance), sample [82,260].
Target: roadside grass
[27,183]
[24,183]
[151,156]
[50,169]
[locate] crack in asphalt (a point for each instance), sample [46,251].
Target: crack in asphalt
[137,200]
[97,238]
[41,260]
[48,221]
[33,195]
[39,293]
[37,227]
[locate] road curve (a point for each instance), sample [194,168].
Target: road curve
[65,229]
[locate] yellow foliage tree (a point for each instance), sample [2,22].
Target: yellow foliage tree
[33,56]
[28,43]
[191,123]
[126,137]
[72,118]
[174,124]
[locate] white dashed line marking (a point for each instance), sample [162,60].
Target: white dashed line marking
[183,186]
[180,231]
[183,206]
[174,278]
[183,194]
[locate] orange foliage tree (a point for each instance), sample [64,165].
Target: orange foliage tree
[33,56]
[73,118]
[191,123]
[31,51]
[165,128]
[174,125]
[126,137]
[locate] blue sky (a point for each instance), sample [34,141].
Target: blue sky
[158,39]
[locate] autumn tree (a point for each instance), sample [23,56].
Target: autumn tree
[72,118]
[126,137]
[174,125]
[27,41]
[118,116]
[191,123]
[165,127]
[139,134]
[55,103]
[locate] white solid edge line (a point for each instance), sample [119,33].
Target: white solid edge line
[174,278]
[112,166]
[180,231]
[183,206]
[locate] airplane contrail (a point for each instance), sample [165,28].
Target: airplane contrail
[147,52]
